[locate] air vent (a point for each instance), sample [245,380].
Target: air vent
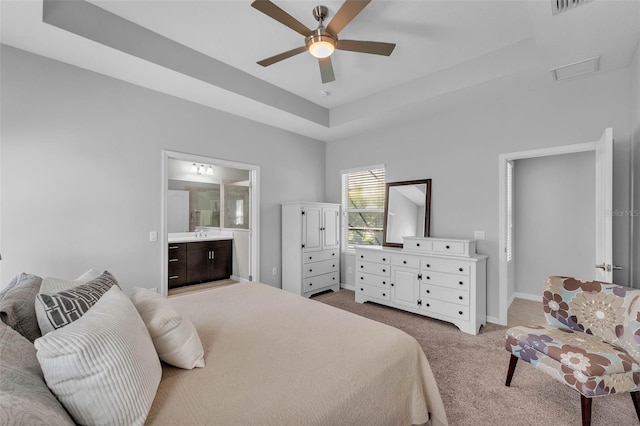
[559,6]
[577,68]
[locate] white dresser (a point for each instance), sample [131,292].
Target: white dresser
[435,277]
[310,247]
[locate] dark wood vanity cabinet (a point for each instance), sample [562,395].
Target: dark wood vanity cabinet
[177,264]
[197,262]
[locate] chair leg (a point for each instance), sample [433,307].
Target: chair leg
[635,396]
[512,368]
[586,410]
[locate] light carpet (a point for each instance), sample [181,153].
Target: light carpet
[471,370]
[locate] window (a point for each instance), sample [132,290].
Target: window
[363,206]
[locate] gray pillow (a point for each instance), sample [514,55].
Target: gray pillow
[25,398]
[60,309]
[17,307]
[9,286]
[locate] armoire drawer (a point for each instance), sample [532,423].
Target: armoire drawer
[319,256]
[320,281]
[444,308]
[445,294]
[319,268]
[371,291]
[458,282]
[373,268]
[371,279]
[448,266]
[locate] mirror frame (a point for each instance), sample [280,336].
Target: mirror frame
[427,209]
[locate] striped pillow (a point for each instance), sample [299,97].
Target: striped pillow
[103,367]
[54,311]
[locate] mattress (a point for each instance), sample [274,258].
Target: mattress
[275,358]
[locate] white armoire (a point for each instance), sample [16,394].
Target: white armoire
[310,247]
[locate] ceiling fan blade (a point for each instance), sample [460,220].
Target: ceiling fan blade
[326,70]
[281,56]
[374,47]
[270,9]
[346,13]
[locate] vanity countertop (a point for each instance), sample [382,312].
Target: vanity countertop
[189,237]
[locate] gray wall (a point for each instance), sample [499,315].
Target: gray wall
[459,150]
[635,129]
[554,216]
[81,170]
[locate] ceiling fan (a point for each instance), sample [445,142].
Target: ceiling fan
[322,41]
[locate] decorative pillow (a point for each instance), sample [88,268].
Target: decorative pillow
[25,398]
[174,336]
[103,367]
[56,285]
[17,308]
[9,286]
[57,310]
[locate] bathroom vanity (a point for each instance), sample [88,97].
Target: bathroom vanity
[196,258]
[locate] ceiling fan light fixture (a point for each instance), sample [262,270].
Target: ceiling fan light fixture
[321,44]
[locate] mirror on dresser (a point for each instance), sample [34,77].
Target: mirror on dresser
[407,207]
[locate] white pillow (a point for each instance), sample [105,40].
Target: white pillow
[174,336]
[56,285]
[103,367]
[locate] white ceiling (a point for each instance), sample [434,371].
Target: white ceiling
[447,52]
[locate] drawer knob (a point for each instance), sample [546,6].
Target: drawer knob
[361,256]
[362,278]
[428,291]
[392,284]
[361,266]
[310,284]
[460,282]
[361,289]
[334,278]
[310,257]
[404,261]
[460,297]
[384,270]
[333,254]
[384,295]
[310,270]
[384,259]
[460,269]
[428,277]
[428,265]
[447,247]
[333,266]
[460,312]
[428,305]
[384,282]
[418,245]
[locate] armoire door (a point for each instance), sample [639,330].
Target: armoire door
[312,228]
[331,228]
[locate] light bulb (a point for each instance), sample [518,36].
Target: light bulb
[321,49]
[201,169]
[194,168]
[210,170]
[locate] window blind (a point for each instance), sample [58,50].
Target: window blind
[363,206]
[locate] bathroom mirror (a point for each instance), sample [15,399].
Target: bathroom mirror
[407,207]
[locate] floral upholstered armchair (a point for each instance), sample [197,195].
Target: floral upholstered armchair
[591,342]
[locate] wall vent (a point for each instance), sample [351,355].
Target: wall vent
[559,6]
[577,68]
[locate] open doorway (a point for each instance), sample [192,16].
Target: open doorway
[600,230]
[209,196]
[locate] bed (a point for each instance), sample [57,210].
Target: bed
[276,358]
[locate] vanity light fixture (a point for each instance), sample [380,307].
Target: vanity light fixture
[194,168]
[201,169]
[210,170]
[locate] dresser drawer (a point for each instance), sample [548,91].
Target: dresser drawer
[371,291]
[405,260]
[448,266]
[444,308]
[417,244]
[458,282]
[445,294]
[319,268]
[373,256]
[371,279]
[449,247]
[319,256]
[320,281]
[373,268]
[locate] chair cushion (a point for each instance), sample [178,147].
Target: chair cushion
[582,361]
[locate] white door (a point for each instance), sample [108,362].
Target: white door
[312,228]
[405,287]
[604,206]
[177,211]
[331,227]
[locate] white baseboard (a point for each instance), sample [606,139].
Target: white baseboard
[242,280]
[527,296]
[348,286]
[494,320]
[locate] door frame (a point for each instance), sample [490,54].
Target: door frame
[503,277]
[254,210]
